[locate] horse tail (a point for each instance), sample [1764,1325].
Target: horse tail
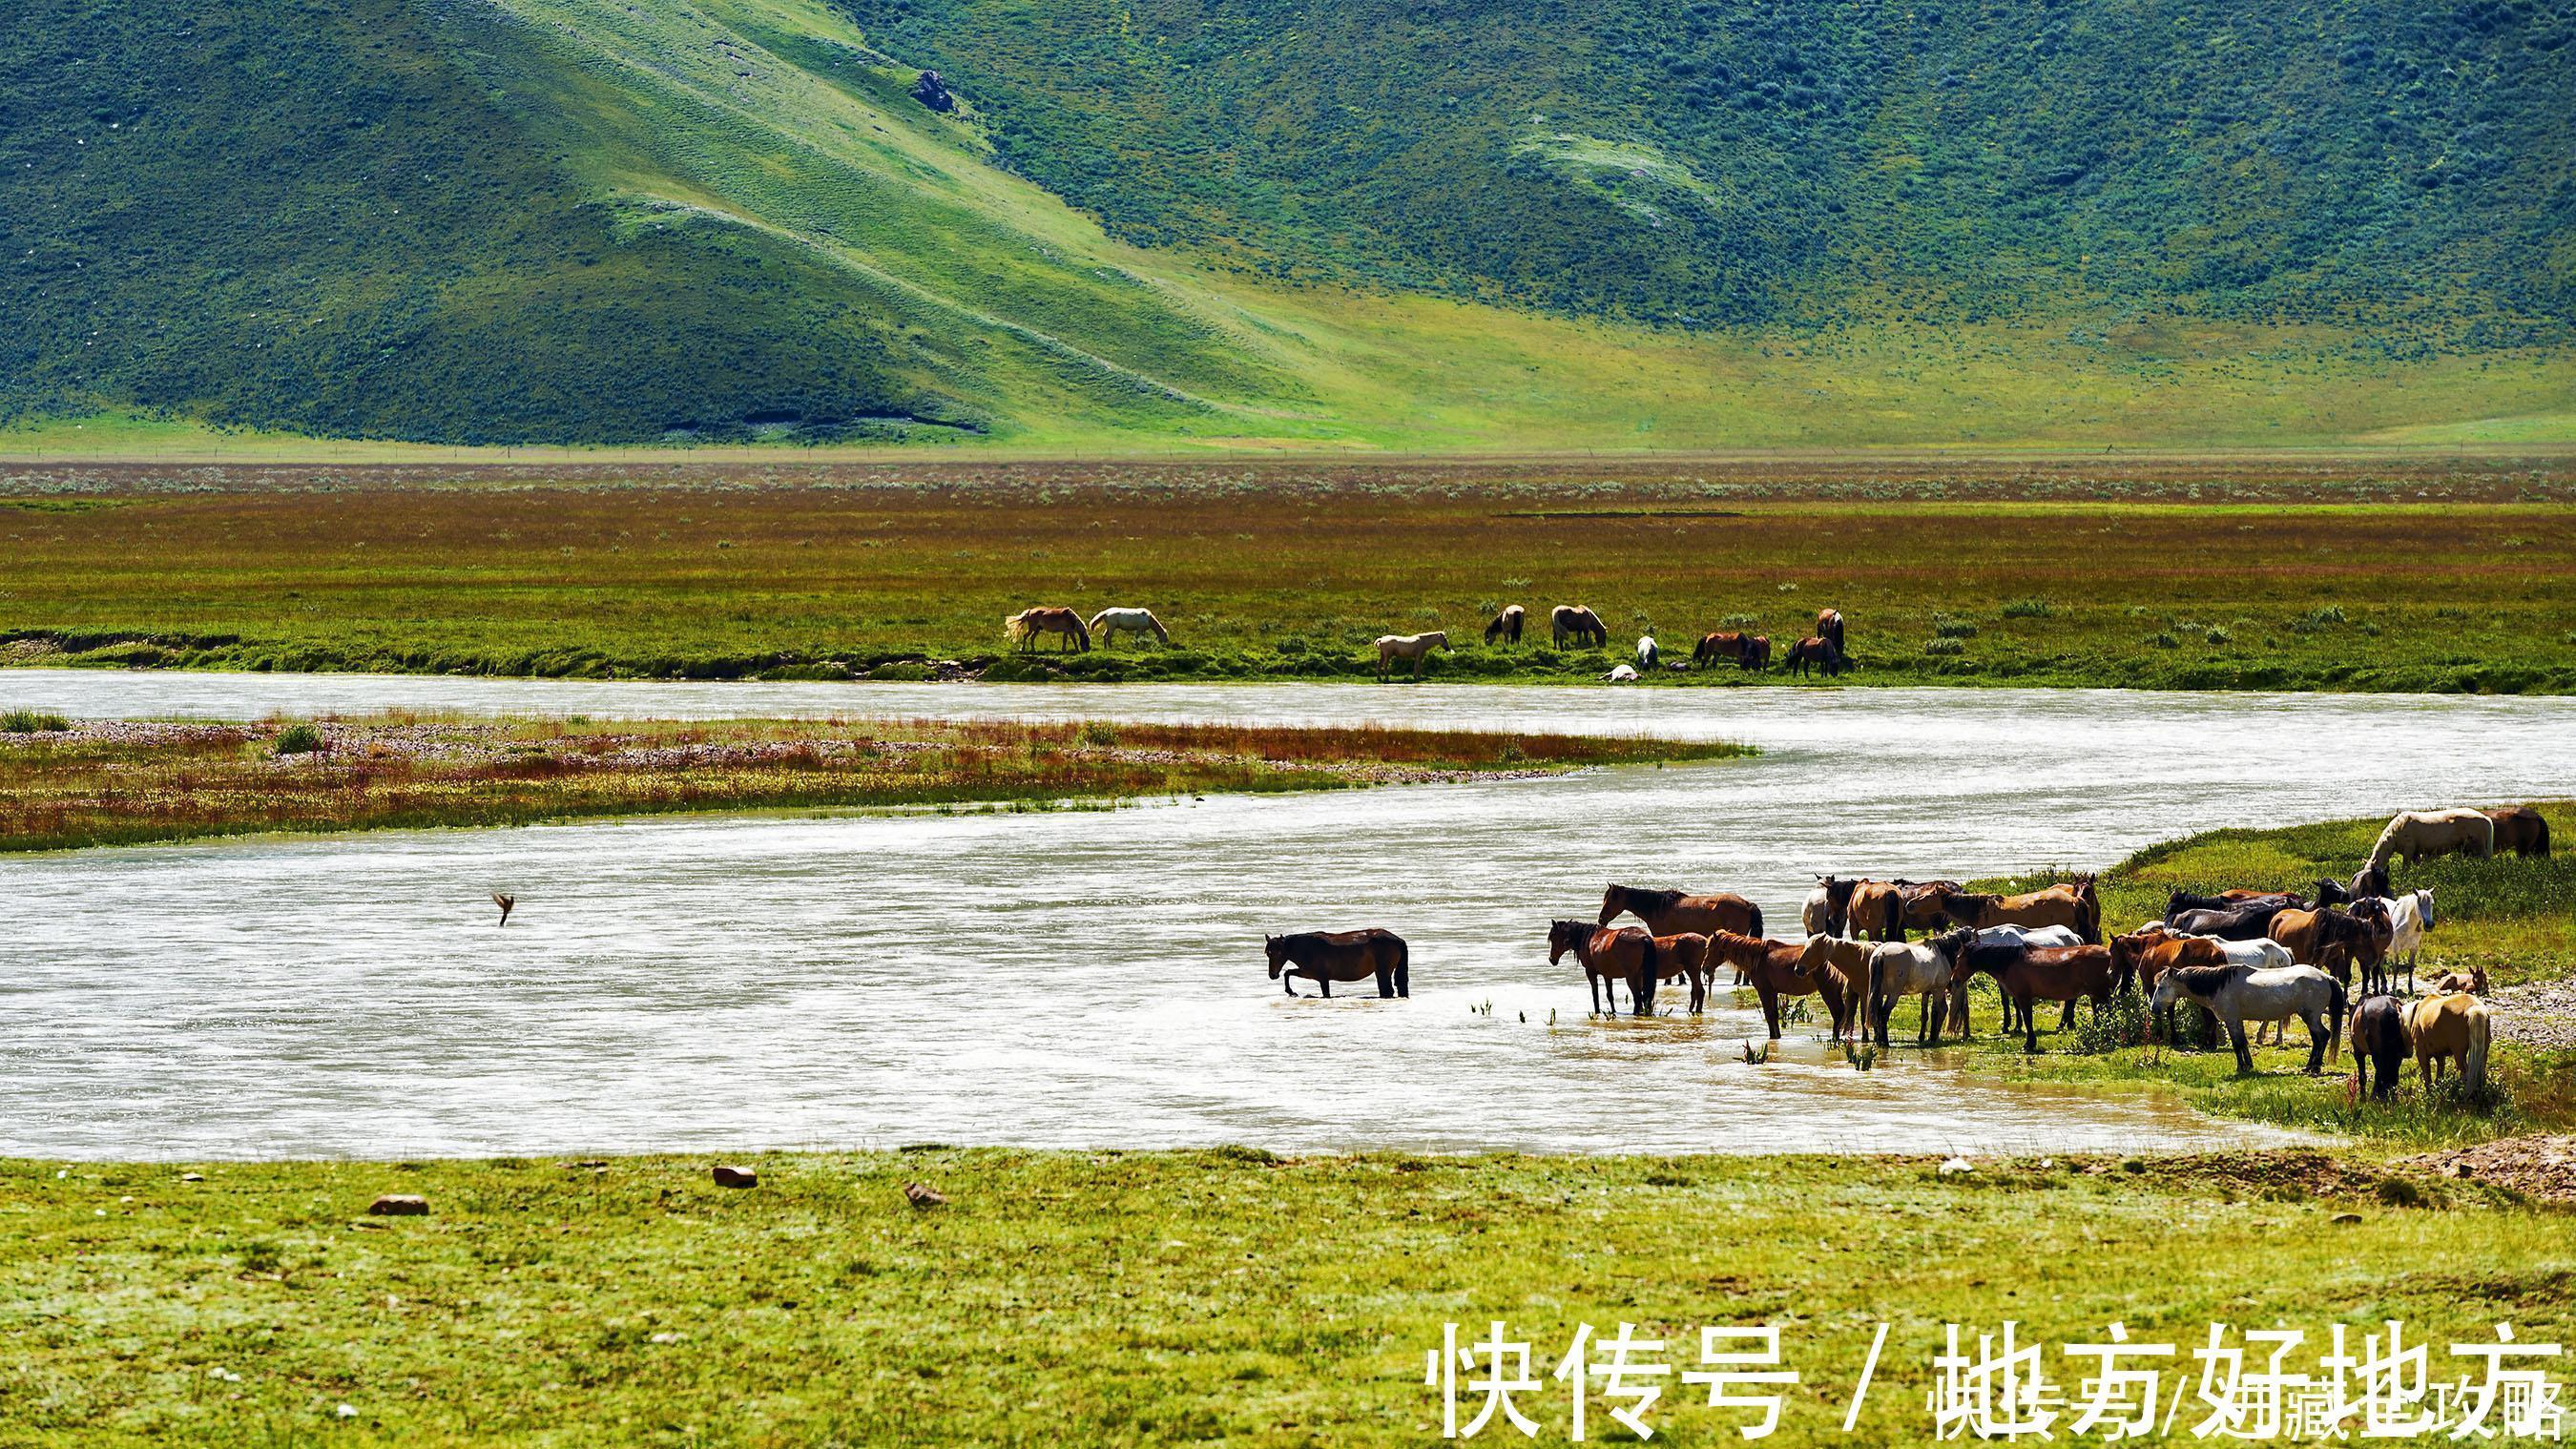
[1403,968]
[2337,999]
[1755,929]
[2473,1063]
[2540,835]
[1648,973]
[1016,627]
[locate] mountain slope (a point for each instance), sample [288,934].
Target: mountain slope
[1443,226]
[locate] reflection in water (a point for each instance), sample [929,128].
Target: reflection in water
[1096,978]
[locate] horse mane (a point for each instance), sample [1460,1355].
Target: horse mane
[1661,900]
[2205,980]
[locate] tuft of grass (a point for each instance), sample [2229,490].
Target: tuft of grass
[299,739]
[30,722]
[2028,609]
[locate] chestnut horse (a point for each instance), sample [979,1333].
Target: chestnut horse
[1666,912]
[1712,647]
[1025,626]
[1829,627]
[2457,1028]
[1325,957]
[1757,654]
[1812,652]
[1777,969]
[2075,903]
[1684,957]
[2331,939]
[1608,956]
[1846,961]
[1876,910]
[2024,974]
[1923,904]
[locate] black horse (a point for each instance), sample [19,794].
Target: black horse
[2240,923]
[2379,1042]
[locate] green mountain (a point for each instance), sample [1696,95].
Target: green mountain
[1436,224]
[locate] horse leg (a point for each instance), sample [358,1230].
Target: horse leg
[1594,982]
[2029,1024]
[2235,1024]
[1771,1011]
[1326,981]
[2066,1018]
[1385,983]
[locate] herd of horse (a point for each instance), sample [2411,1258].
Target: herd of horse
[1820,652]
[2252,960]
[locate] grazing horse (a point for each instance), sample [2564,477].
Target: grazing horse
[2520,829]
[2416,835]
[1829,627]
[1608,956]
[1507,625]
[1648,656]
[1586,627]
[1667,912]
[2236,995]
[2180,903]
[1728,646]
[2075,903]
[2379,1044]
[1816,653]
[1108,624]
[1777,969]
[1876,910]
[1845,961]
[1926,969]
[1025,626]
[2024,974]
[1416,647]
[1325,957]
[2456,1028]
[1757,654]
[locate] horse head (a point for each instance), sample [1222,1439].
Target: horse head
[1276,948]
[1564,936]
[1614,899]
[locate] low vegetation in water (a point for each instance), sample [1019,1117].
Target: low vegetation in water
[1153,1298]
[2514,917]
[901,573]
[118,783]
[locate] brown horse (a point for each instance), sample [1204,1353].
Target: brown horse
[1506,627]
[1666,912]
[1325,957]
[1728,646]
[2520,829]
[1582,623]
[1829,627]
[1757,654]
[2331,939]
[1777,969]
[2075,904]
[1812,652]
[1923,904]
[1024,627]
[2024,974]
[1877,911]
[1684,957]
[1609,957]
[1844,960]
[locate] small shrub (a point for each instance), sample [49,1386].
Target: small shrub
[1945,646]
[1741,622]
[2123,1023]
[2216,635]
[2028,609]
[2163,639]
[301,739]
[1945,626]
[29,722]
[1100,733]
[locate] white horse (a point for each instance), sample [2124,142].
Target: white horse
[1646,652]
[1817,915]
[1913,968]
[2411,915]
[2261,954]
[1620,674]
[2237,995]
[1109,623]
[2415,835]
[2029,936]
[1416,647]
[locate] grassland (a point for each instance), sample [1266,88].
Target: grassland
[2514,917]
[1151,1298]
[65,786]
[2317,574]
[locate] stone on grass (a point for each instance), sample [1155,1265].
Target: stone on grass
[1957,1166]
[923,1195]
[727,1175]
[399,1205]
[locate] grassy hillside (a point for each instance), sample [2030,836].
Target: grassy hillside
[573,221]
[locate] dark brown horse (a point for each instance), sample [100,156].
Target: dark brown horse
[1757,654]
[1506,627]
[1325,957]
[1778,969]
[1609,957]
[2024,974]
[2378,1042]
[1829,627]
[1728,647]
[1923,910]
[2331,939]
[1812,652]
[1684,957]
[2520,829]
[1666,912]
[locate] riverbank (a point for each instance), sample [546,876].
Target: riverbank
[68,784]
[1153,1297]
[2512,917]
[2308,576]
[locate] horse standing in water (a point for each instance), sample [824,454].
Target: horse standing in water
[1778,969]
[1926,969]
[1416,647]
[1607,956]
[1506,626]
[1325,957]
[1025,626]
[1667,912]
[1109,623]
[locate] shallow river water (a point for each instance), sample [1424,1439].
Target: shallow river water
[1090,978]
